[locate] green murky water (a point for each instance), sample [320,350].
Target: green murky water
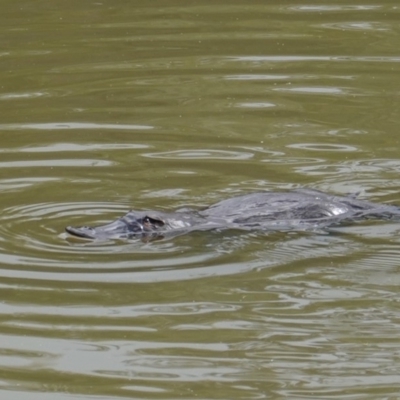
[116,104]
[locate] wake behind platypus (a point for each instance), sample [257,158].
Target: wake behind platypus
[301,209]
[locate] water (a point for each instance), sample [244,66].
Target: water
[107,106]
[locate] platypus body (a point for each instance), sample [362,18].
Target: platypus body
[300,209]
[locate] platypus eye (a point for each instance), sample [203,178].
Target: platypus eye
[150,222]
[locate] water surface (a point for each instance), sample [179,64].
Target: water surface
[107,106]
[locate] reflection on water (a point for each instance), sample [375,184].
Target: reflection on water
[111,106]
[203,154]
[72,125]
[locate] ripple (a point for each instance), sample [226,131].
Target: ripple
[313,90]
[204,154]
[66,147]
[357,26]
[163,193]
[30,225]
[72,126]
[16,96]
[19,183]
[56,163]
[256,77]
[328,8]
[256,105]
[368,167]
[322,147]
[294,160]
[32,237]
[32,232]
[291,58]
[123,311]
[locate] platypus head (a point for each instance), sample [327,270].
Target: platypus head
[130,225]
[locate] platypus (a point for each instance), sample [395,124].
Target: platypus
[299,209]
